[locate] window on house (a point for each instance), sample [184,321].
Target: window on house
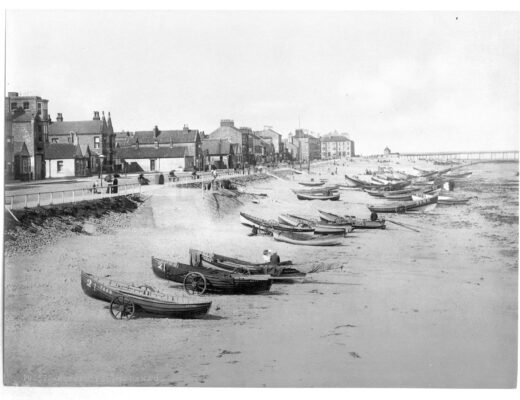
[39,106]
[14,106]
[96,142]
[54,140]
[152,165]
[25,105]
[156,144]
[59,166]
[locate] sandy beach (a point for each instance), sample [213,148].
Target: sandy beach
[391,308]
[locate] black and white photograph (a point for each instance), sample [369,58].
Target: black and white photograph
[260,198]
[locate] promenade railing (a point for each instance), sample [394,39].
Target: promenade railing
[36,199]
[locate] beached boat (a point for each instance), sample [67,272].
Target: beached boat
[367,185]
[282,272]
[446,200]
[334,219]
[423,205]
[460,175]
[318,196]
[198,280]
[126,298]
[320,228]
[449,200]
[409,196]
[269,225]
[312,183]
[307,240]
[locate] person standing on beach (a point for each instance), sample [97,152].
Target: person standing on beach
[114,185]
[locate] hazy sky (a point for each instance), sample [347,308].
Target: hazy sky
[416,81]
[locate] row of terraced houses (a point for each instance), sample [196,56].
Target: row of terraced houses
[37,147]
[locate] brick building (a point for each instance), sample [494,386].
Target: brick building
[26,121]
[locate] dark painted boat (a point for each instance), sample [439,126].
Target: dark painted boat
[423,205]
[318,196]
[144,297]
[269,225]
[307,240]
[282,272]
[201,279]
[356,223]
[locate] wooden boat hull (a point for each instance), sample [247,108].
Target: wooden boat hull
[354,222]
[306,240]
[280,273]
[269,226]
[423,205]
[311,184]
[447,200]
[217,281]
[145,298]
[303,196]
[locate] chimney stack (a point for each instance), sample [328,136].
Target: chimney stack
[227,122]
[156,131]
[185,128]
[96,116]
[59,117]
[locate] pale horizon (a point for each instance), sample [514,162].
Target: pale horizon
[412,81]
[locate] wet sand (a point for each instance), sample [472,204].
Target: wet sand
[392,308]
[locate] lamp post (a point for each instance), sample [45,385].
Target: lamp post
[101,159]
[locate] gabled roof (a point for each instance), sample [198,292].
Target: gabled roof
[216,147]
[151,152]
[148,137]
[229,132]
[55,151]
[270,133]
[85,149]
[20,149]
[78,127]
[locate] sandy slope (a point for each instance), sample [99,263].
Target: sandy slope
[396,308]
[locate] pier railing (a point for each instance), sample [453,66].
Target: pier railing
[17,201]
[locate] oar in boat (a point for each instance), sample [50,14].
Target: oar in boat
[403,225]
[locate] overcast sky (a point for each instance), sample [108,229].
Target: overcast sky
[413,81]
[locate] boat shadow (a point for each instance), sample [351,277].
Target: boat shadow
[140,314]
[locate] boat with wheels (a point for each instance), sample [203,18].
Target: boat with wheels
[199,279]
[128,298]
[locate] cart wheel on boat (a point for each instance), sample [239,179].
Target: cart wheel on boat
[195,283]
[122,307]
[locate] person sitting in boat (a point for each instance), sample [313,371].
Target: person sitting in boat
[373,216]
[274,259]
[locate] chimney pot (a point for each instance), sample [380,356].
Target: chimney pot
[96,116]
[59,117]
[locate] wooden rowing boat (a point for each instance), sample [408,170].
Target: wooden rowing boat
[320,228]
[423,205]
[356,223]
[144,297]
[312,184]
[269,225]
[200,279]
[312,196]
[282,272]
[307,240]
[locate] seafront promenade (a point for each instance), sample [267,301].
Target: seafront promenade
[72,190]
